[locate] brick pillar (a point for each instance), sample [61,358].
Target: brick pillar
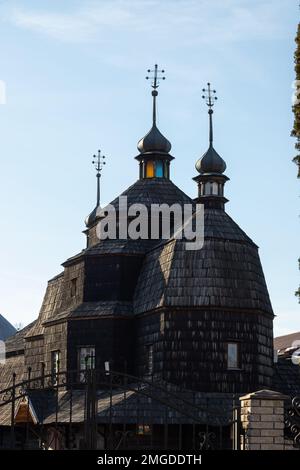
[262,416]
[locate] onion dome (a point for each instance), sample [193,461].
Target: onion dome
[210,162]
[92,217]
[211,166]
[154,141]
[154,157]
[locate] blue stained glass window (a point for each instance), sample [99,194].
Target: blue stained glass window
[159,172]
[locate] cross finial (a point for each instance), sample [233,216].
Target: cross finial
[155,77]
[98,162]
[209,96]
[155,84]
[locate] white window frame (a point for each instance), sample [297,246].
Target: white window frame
[233,363]
[55,363]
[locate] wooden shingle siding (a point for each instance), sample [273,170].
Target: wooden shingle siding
[191,348]
[55,338]
[34,355]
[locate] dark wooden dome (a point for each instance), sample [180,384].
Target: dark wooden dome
[226,272]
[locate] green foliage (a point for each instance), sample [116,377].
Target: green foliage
[296,108]
[297,293]
[296,160]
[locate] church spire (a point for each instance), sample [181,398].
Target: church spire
[211,166]
[154,148]
[210,98]
[210,162]
[98,162]
[155,85]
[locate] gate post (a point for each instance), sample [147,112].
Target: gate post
[262,415]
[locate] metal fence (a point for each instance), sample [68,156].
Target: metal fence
[94,409]
[292,422]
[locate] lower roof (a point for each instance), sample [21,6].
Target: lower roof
[286,377]
[286,342]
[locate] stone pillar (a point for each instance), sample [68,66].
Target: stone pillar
[262,416]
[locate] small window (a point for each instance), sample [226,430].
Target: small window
[73,287]
[144,430]
[215,188]
[150,169]
[159,171]
[55,362]
[233,356]
[86,360]
[150,359]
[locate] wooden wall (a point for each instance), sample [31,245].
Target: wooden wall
[112,338]
[56,340]
[190,348]
[111,277]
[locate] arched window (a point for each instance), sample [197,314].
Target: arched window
[150,169]
[159,171]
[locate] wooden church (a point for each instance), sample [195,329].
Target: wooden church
[140,342]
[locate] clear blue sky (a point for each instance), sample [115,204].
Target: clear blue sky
[74,74]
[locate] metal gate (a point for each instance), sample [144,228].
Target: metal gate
[94,409]
[292,422]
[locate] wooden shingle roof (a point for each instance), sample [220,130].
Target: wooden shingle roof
[95,310]
[285,342]
[16,342]
[146,192]
[153,191]
[12,365]
[212,408]
[225,273]
[286,377]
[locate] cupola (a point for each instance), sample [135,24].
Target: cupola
[154,147]
[211,166]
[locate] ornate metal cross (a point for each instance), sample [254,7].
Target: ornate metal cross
[156,77]
[155,84]
[209,96]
